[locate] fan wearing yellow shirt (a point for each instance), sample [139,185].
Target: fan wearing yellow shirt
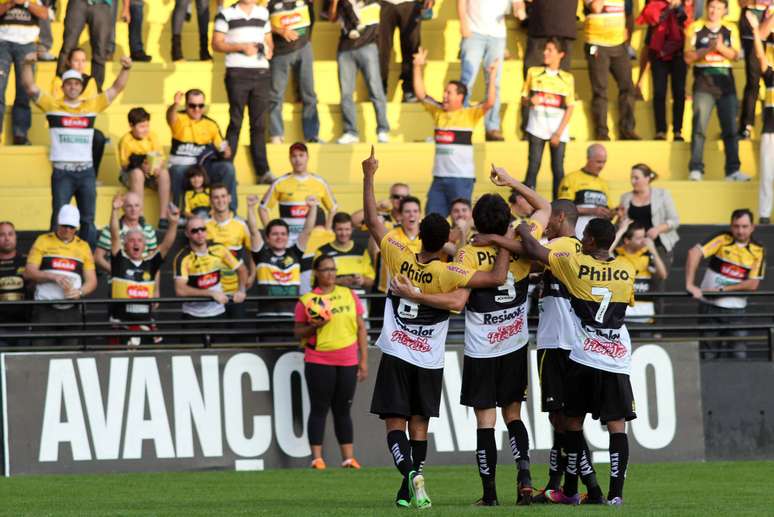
[407,392]
[142,161]
[587,190]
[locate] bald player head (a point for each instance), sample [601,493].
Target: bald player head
[596,157]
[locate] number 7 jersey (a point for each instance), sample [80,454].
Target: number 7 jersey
[599,292]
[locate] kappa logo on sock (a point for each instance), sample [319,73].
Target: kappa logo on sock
[572,463]
[483,465]
[515,449]
[396,454]
[614,464]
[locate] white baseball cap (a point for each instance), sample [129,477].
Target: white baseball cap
[69,216]
[72,74]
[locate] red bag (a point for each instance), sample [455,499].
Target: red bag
[667,37]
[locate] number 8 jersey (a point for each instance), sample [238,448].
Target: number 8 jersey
[599,292]
[496,318]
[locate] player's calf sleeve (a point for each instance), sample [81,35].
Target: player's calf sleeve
[619,461]
[418,454]
[517,433]
[486,457]
[555,467]
[573,443]
[398,444]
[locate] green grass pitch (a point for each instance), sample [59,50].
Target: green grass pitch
[707,489]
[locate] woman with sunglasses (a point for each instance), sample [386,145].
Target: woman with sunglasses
[329,323]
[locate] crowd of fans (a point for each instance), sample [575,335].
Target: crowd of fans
[224,257]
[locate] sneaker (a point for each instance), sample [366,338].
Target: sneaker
[745,133]
[315,140]
[402,503]
[660,136]
[409,98]
[585,499]
[558,497]
[383,137]
[524,497]
[764,220]
[318,464]
[141,57]
[350,463]
[348,138]
[277,140]
[540,497]
[353,34]
[738,176]
[695,176]
[419,496]
[46,56]
[487,502]
[678,138]
[21,140]
[494,135]
[629,135]
[266,179]
[616,501]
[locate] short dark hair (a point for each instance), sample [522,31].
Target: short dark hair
[434,232]
[465,201]
[319,259]
[566,207]
[602,231]
[724,2]
[341,218]
[410,199]
[462,88]
[513,196]
[491,214]
[276,222]
[137,115]
[72,53]
[218,186]
[298,146]
[633,227]
[193,91]
[556,42]
[741,212]
[196,170]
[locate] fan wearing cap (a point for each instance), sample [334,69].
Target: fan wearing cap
[62,267]
[71,125]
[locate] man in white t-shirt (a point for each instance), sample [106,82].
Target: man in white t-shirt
[482,27]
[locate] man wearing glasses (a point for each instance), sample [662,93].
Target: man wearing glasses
[196,140]
[62,267]
[198,269]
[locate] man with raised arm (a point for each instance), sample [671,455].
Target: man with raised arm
[413,338]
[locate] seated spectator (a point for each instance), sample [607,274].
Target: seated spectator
[98,16]
[712,46]
[291,24]
[762,33]
[180,15]
[227,229]
[13,286]
[76,60]
[550,94]
[354,268]
[196,140]
[737,266]
[640,252]
[196,198]
[134,272]
[361,54]
[131,221]
[62,268]
[71,146]
[587,190]
[653,209]
[18,33]
[290,192]
[482,27]
[606,54]
[198,270]
[142,161]
[454,172]
[278,264]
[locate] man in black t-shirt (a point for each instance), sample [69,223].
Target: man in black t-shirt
[291,27]
[12,285]
[362,54]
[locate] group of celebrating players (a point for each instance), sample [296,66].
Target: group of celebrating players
[584,350]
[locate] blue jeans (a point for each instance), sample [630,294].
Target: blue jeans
[703,104]
[301,62]
[445,190]
[474,50]
[21,116]
[83,185]
[218,171]
[135,27]
[365,59]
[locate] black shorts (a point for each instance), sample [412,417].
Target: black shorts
[404,390]
[488,382]
[607,396]
[552,370]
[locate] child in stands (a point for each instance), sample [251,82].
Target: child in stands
[196,201]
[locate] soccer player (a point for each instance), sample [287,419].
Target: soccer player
[598,289]
[496,335]
[413,338]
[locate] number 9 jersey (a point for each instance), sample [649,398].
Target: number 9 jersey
[599,292]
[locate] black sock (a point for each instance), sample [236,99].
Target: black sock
[573,445]
[619,461]
[401,453]
[519,439]
[486,456]
[555,462]
[418,454]
[586,470]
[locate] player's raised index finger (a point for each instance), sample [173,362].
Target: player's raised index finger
[372,151]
